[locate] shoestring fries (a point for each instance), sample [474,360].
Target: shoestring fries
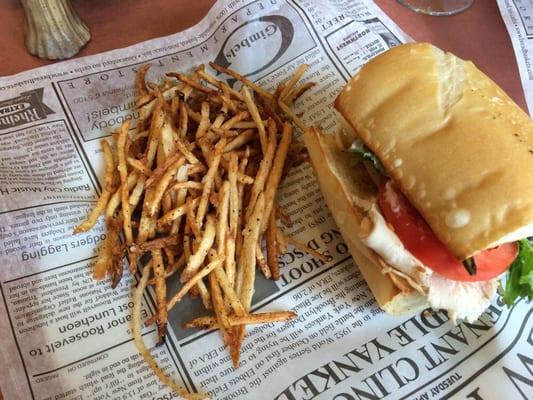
[192,189]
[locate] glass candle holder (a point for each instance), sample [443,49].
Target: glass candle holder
[437,7]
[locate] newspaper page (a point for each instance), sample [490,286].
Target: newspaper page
[65,336]
[518,18]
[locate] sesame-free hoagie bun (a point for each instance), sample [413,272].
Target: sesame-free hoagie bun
[454,143]
[349,193]
[460,151]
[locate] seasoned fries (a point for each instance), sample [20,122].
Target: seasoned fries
[91,219]
[192,190]
[274,177]
[271,245]
[248,319]
[138,294]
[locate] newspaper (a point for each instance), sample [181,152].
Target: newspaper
[65,336]
[518,18]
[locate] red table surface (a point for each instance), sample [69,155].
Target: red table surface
[477,34]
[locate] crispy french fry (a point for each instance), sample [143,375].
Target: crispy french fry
[103,262]
[191,219]
[187,185]
[197,259]
[222,217]
[123,171]
[166,201]
[307,249]
[223,132]
[204,122]
[183,147]
[170,255]
[243,138]
[141,347]
[151,150]
[284,216]
[241,78]
[221,229]
[195,169]
[162,185]
[174,108]
[176,266]
[158,120]
[233,218]
[228,290]
[271,245]
[195,116]
[146,110]
[240,191]
[209,322]
[207,149]
[281,241]
[147,223]
[246,265]
[217,301]
[215,126]
[115,267]
[160,171]
[167,135]
[160,293]
[292,115]
[203,272]
[246,125]
[254,112]
[190,82]
[204,294]
[155,244]
[262,318]
[293,80]
[245,179]
[143,96]
[219,84]
[136,193]
[274,176]
[208,180]
[177,212]
[183,121]
[187,242]
[115,199]
[264,169]
[181,195]
[233,120]
[261,262]
[235,346]
[228,103]
[108,188]
[101,265]
[297,92]
[138,135]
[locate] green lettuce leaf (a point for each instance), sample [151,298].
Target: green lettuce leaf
[359,149]
[519,281]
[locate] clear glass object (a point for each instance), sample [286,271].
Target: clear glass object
[437,7]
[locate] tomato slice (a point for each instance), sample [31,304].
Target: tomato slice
[419,239]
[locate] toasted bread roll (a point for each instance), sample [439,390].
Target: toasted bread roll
[349,194]
[457,146]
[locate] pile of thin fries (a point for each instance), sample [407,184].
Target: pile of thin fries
[194,185]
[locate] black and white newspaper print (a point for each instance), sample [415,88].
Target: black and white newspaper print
[65,336]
